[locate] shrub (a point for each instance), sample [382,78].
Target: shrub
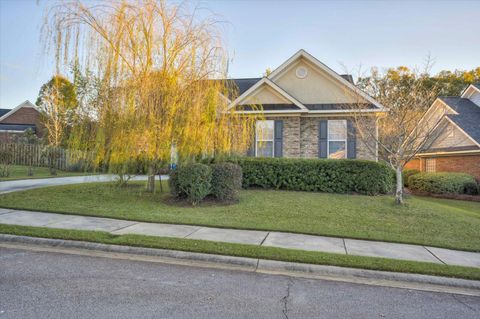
[320,175]
[441,183]
[174,186]
[471,188]
[81,165]
[194,180]
[226,181]
[406,175]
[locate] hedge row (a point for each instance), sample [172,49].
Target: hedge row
[317,175]
[443,183]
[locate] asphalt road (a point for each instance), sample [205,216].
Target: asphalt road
[54,285]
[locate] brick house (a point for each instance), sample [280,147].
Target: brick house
[17,120]
[308,111]
[456,143]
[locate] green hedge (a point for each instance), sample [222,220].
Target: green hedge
[196,181]
[442,183]
[226,181]
[406,173]
[317,175]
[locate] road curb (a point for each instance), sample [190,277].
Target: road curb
[362,276]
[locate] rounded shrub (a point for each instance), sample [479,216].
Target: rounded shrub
[441,183]
[194,180]
[226,181]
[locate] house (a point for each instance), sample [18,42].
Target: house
[307,111]
[17,120]
[455,146]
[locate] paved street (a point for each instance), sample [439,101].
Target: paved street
[53,285]
[263,238]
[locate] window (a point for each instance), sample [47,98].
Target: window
[430,165]
[337,139]
[264,138]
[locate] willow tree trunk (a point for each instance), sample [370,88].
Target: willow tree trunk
[399,187]
[151,179]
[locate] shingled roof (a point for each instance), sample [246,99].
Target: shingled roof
[468,118]
[237,87]
[4,111]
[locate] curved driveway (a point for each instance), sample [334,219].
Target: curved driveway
[24,184]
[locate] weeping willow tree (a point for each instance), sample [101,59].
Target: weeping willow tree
[154,65]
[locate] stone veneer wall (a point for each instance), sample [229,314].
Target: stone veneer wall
[300,138]
[309,139]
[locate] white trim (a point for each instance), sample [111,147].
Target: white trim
[342,140]
[463,95]
[273,86]
[12,131]
[26,104]
[263,140]
[335,75]
[427,113]
[469,152]
[461,130]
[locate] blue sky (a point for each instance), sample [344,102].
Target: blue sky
[262,34]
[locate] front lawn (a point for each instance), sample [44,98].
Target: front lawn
[20,172]
[429,221]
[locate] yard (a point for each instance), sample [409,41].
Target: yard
[429,221]
[20,172]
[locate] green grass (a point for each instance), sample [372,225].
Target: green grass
[428,221]
[251,251]
[20,172]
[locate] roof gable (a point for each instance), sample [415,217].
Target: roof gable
[345,86]
[26,104]
[245,98]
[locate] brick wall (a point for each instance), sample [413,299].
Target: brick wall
[413,164]
[469,164]
[25,115]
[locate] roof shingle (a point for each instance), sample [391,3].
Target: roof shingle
[468,118]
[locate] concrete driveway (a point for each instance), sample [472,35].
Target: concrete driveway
[20,185]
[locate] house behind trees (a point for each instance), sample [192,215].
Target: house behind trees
[455,146]
[307,111]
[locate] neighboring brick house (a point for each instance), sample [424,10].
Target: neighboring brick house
[308,110]
[17,120]
[456,143]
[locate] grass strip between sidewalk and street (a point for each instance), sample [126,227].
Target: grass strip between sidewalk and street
[433,222]
[251,251]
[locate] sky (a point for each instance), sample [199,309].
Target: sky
[345,35]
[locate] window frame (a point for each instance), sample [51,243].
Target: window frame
[430,165]
[265,140]
[336,140]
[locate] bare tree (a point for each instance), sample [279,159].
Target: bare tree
[400,133]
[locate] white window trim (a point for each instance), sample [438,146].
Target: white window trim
[263,140]
[336,140]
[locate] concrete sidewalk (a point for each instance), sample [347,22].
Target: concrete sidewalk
[251,237]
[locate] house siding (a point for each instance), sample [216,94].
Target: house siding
[300,138]
[469,164]
[24,115]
